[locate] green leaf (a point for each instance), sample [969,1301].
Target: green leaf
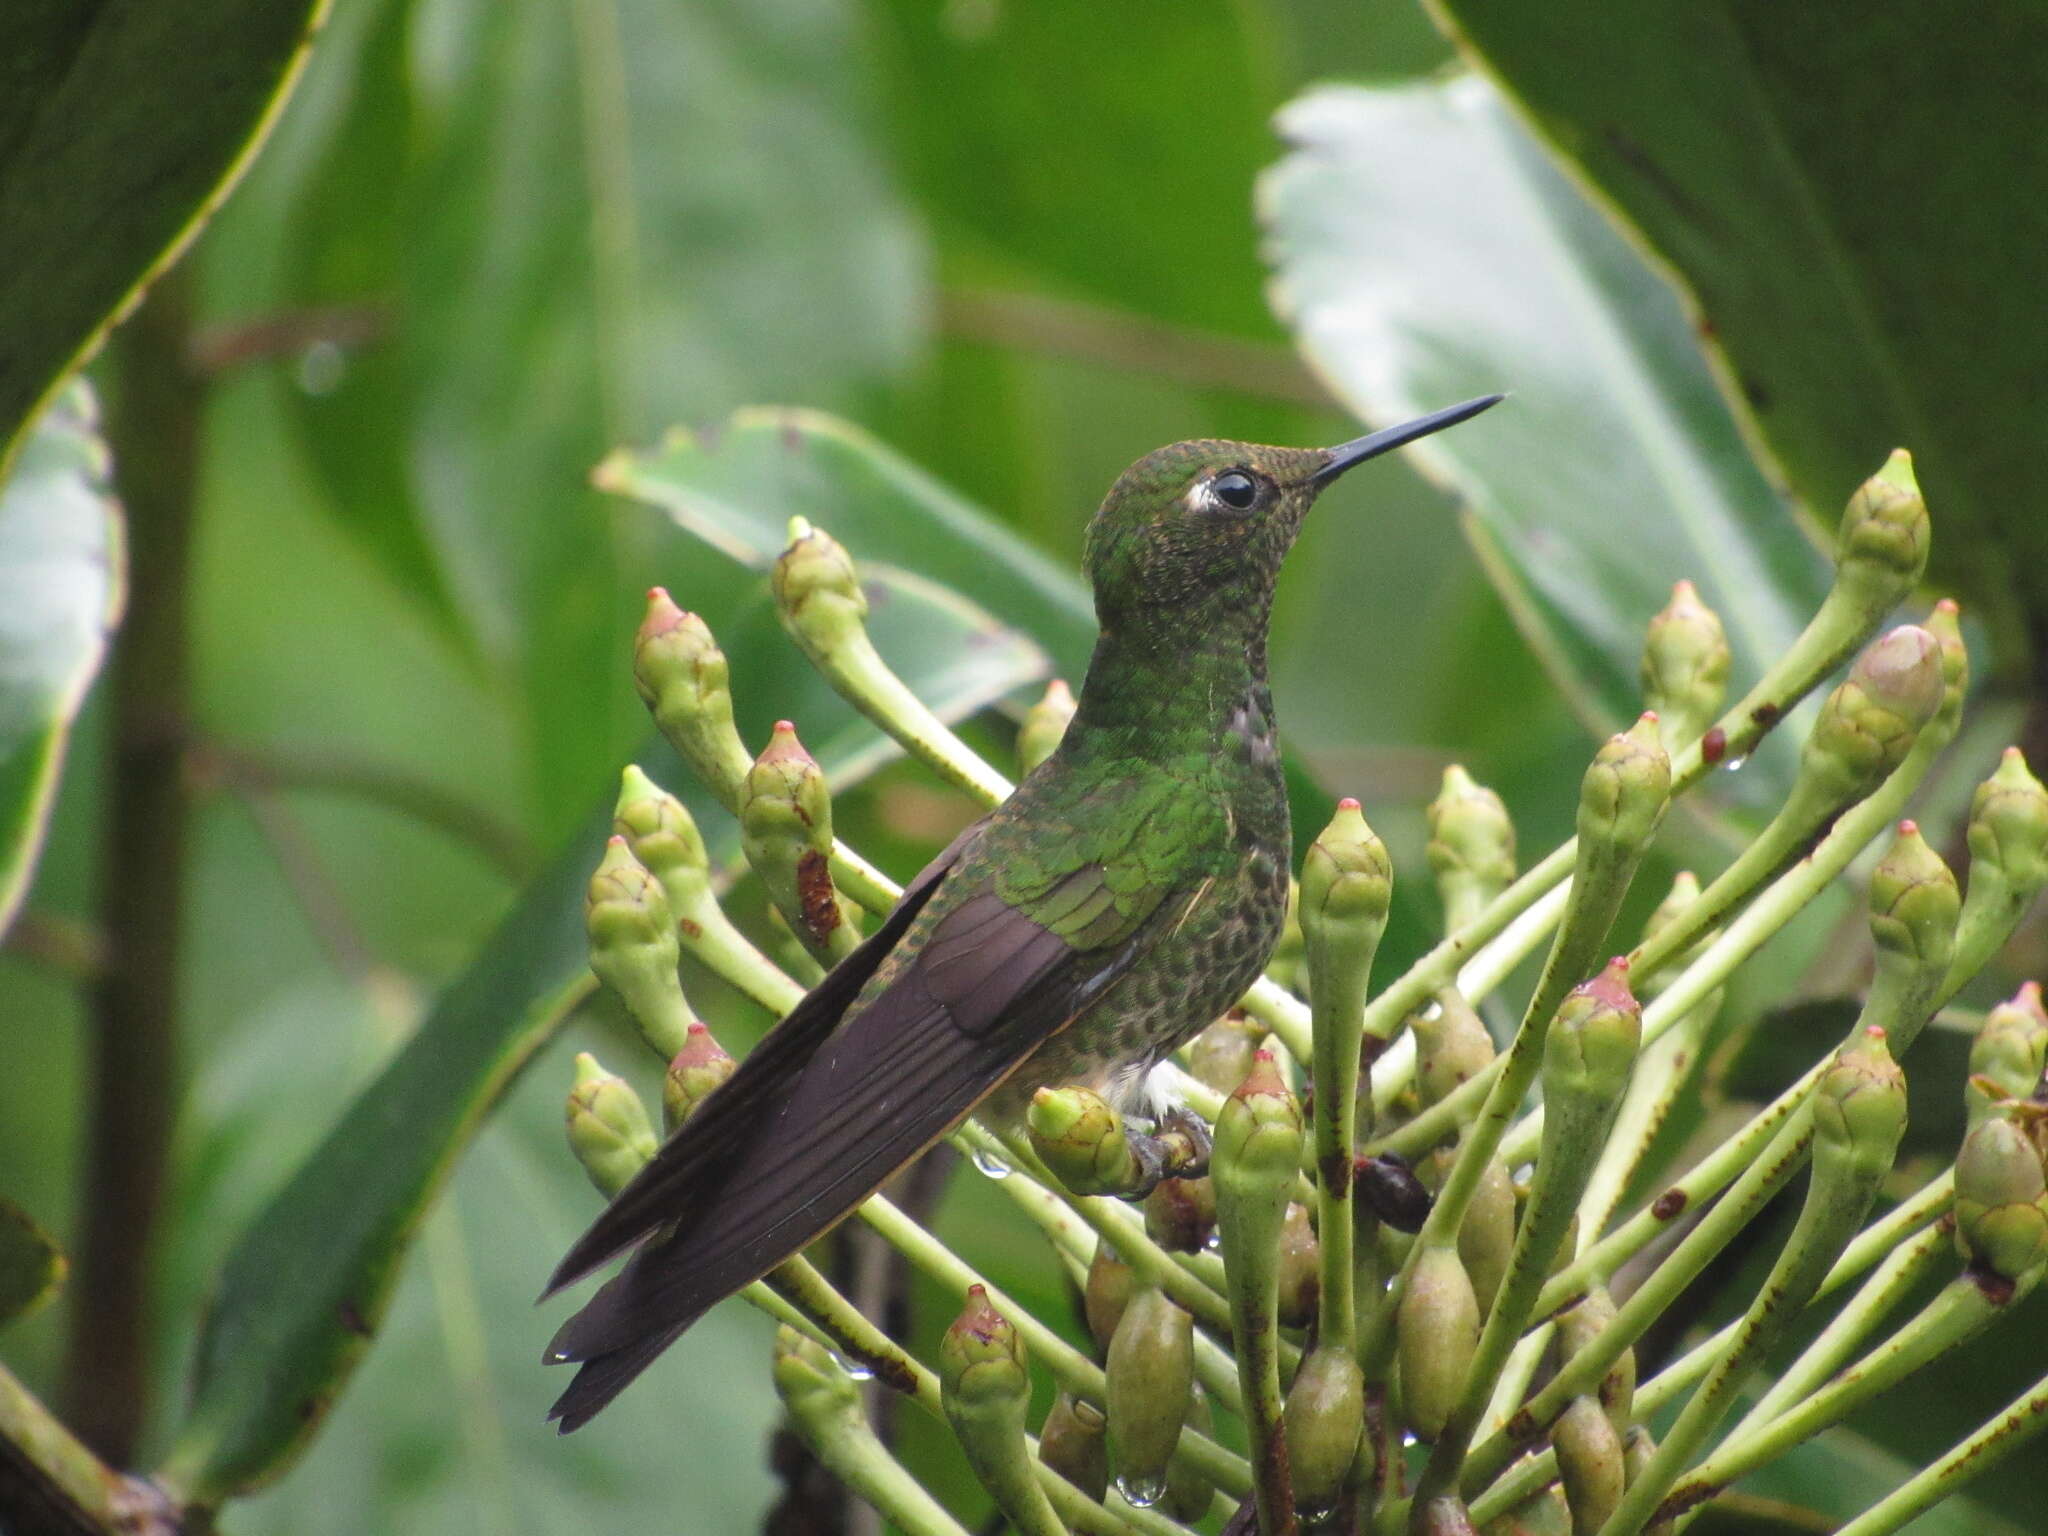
[682,208]
[307,1284]
[121,128]
[1856,211]
[737,487]
[60,594]
[31,1264]
[1425,250]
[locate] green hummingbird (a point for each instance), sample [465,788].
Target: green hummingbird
[1126,894]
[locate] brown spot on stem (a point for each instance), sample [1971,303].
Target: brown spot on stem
[353,1320]
[1668,1204]
[814,894]
[1766,715]
[1994,1287]
[1713,746]
[1336,1171]
[691,928]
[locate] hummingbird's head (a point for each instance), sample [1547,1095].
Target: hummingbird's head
[1202,526]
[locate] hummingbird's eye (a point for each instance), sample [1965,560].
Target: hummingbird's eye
[1235,490]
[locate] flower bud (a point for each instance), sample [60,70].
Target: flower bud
[1471,846]
[1151,1374]
[1258,1135]
[2009,825]
[1543,1513]
[1347,883]
[814,1387]
[1867,724]
[1436,1333]
[1945,623]
[1881,547]
[681,674]
[1623,794]
[1859,1109]
[1180,1214]
[1221,1055]
[981,1358]
[699,1067]
[1300,1269]
[1072,1442]
[2001,1204]
[1451,1046]
[1590,1463]
[1044,724]
[661,833]
[1324,1422]
[1081,1139]
[1106,1293]
[817,593]
[1685,665]
[786,831]
[1591,1045]
[1486,1237]
[1914,903]
[2007,1054]
[633,947]
[1579,1326]
[608,1126]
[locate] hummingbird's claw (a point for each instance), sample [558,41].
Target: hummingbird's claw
[1177,1149]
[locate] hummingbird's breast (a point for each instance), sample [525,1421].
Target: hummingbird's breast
[1219,930]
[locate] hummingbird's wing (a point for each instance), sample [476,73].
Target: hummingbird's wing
[958,1009]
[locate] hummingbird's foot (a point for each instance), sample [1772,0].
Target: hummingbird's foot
[1178,1148]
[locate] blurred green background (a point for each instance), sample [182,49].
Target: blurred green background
[489,241]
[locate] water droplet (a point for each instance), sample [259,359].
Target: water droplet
[321,366]
[1143,1492]
[1734,764]
[990,1164]
[852,1367]
[1214,1241]
[1315,1517]
[1409,1440]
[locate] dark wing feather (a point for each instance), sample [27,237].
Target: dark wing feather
[688,1170]
[985,990]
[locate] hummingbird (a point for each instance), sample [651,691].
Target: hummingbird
[1126,894]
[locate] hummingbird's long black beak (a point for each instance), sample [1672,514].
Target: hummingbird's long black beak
[1348,455]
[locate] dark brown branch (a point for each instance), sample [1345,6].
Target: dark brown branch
[133,1084]
[238,343]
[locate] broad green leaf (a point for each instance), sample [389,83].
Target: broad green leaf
[1855,206]
[1425,250]
[121,128]
[591,220]
[31,1265]
[306,1286]
[60,594]
[737,487]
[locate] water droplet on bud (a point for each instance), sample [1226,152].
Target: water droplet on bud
[1142,1492]
[1734,764]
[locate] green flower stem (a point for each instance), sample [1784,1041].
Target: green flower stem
[985,1392]
[1125,1232]
[1583,1372]
[1622,798]
[1347,881]
[1256,1154]
[1660,1075]
[52,1468]
[825,1408]
[1588,1054]
[1963,1309]
[1072,1369]
[1903,1269]
[1215,1366]
[1877,1241]
[1998,1437]
[821,605]
[1859,1114]
[664,838]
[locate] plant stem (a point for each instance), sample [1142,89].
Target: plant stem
[133,1093]
[51,1482]
[1996,1439]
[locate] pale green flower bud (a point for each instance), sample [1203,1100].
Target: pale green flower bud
[699,1067]
[633,948]
[1623,794]
[1589,1463]
[1685,665]
[1073,1442]
[608,1126]
[1471,846]
[1436,1333]
[1324,1422]
[681,674]
[2001,1204]
[1151,1375]
[1881,547]
[2008,1053]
